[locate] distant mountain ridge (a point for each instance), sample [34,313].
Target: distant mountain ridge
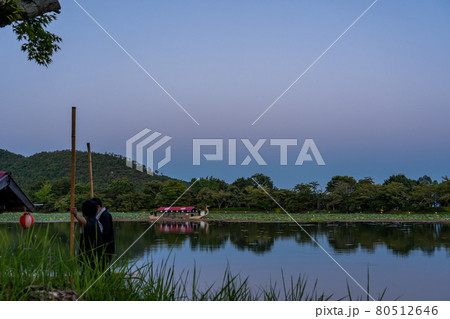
[55,165]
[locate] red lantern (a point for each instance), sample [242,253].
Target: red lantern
[26,220]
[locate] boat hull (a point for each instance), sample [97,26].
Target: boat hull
[152,217]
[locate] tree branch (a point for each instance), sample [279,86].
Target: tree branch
[34,8]
[17,10]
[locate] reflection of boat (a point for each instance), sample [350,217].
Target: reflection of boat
[171,227]
[188,212]
[11,196]
[177,228]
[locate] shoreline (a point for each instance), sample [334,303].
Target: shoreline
[235,220]
[381,221]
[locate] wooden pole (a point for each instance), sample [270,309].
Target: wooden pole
[72,182]
[91,181]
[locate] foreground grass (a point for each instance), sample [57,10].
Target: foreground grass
[38,261]
[258,216]
[60,217]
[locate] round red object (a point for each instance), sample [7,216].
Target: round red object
[26,220]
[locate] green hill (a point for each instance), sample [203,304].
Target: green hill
[56,165]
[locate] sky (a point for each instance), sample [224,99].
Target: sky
[375,104]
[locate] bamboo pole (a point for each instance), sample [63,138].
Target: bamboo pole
[91,181]
[72,182]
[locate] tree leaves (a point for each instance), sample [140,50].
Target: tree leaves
[9,12]
[40,44]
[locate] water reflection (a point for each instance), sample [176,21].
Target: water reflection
[167,227]
[395,253]
[259,238]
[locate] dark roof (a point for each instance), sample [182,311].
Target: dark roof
[12,198]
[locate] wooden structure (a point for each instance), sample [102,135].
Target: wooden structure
[72,180]
[91,180]
[12,198]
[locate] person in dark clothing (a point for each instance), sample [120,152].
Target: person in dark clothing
[106,227]
[91,240]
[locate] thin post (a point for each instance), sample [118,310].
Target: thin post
[91,181]
[72,182]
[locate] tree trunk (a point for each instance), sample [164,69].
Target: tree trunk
[34,8]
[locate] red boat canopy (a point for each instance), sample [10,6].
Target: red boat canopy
[176,209]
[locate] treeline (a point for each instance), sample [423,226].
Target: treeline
[342,193]
[55,166]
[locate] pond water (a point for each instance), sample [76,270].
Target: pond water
[411,260]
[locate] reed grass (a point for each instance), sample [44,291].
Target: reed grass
[35,259]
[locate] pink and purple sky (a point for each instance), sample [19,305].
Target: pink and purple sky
[376,104]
